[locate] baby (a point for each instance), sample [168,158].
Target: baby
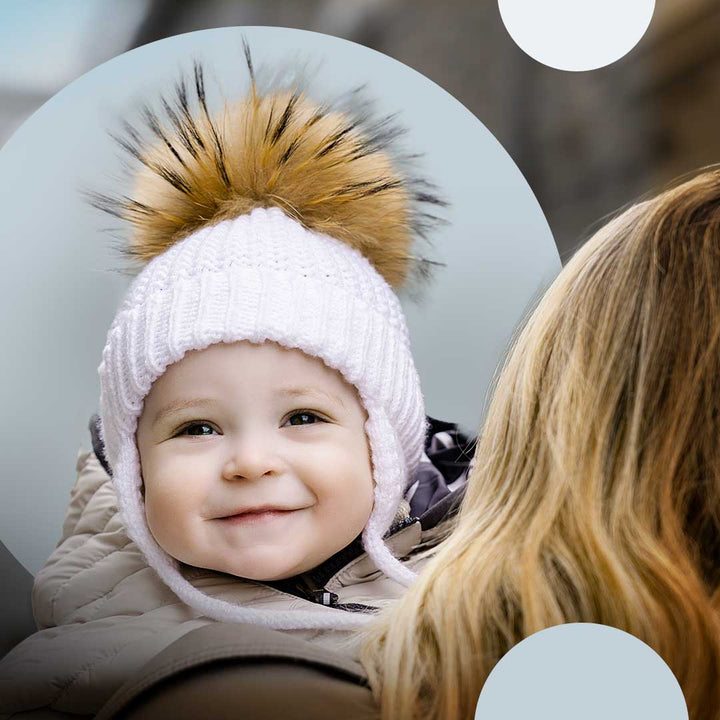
[260,408]
[261,415]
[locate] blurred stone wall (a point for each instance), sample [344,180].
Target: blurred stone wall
[588,142]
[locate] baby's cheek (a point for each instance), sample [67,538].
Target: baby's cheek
[156,514]
[358,499]
[369,501]
[171,527]
[165,507]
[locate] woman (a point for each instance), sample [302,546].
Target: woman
[595,492]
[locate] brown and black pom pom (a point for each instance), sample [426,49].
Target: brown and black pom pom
[333,170]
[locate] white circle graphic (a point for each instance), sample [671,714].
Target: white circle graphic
[576,35]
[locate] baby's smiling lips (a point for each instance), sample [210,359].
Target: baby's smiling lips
[256,514]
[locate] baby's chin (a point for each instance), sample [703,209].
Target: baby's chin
[263,565]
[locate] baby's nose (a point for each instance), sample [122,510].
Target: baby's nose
[251,458]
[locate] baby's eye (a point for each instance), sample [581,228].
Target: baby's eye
[303,417]
[197,428]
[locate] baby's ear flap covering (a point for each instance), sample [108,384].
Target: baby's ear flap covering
[390,472]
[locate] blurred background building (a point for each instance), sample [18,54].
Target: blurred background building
[586,142]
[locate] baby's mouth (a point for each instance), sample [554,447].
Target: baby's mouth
[251,517]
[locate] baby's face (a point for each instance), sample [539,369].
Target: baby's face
[235,429]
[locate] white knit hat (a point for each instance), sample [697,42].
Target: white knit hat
[254,273]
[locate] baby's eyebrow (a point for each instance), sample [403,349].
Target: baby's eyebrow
[181,404]
[306,391]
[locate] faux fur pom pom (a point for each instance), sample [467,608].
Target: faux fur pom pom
[333,168]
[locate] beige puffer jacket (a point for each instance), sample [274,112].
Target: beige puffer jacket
[102,613]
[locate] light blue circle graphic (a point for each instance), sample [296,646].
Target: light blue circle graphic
[576,35]
[581,671]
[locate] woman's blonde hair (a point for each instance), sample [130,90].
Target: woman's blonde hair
[595,493]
